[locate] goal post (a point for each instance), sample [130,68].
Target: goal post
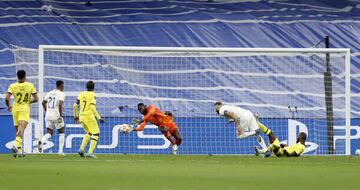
[188,80]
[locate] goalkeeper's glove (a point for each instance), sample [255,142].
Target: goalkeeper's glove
[136,121]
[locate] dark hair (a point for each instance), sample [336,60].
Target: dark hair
[21,74]
[141,104]
[59,83]
[303,136]
[90,85]
[217,104]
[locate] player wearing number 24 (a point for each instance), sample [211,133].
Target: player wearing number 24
[22,92]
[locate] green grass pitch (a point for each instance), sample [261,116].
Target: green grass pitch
[111,172]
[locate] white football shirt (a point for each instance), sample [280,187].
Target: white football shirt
[245,117]
[53,97]
[240,113]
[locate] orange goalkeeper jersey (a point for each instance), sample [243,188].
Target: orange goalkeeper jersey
[156,117]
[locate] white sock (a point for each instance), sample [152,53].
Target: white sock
[261,141]
[246,134]
[61,142]
[45,138]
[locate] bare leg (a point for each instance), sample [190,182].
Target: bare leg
[176,134]
[169,137]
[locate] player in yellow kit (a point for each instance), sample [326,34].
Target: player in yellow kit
[294,150]
[279,150]
[22,92]
[88,116]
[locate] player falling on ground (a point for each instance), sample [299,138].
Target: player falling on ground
[245,123]
[164,121]
[52,105]
[22,92]
[88,115]
[278,149]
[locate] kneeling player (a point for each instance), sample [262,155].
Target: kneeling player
[164,121]
[52,105]
[245,123]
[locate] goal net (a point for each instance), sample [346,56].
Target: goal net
[293,90]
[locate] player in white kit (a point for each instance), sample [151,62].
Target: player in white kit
[245,122]
[52,104]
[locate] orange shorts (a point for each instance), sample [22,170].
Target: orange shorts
[171,127]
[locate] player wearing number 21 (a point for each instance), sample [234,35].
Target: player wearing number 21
[22,92]
[88,115]
[52,104]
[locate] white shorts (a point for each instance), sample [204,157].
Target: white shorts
[51,124]
[249,124]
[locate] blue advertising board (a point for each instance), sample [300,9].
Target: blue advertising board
[200,136]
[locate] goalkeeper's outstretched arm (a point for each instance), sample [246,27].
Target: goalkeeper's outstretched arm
[141,126]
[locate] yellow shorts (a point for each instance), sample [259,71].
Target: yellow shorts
[90,125]
[20,116]
[276,149]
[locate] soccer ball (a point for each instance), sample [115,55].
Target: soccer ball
[357,152]
[125,128]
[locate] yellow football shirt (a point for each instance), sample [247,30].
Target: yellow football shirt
[22,95]
[86,99]
[298,148]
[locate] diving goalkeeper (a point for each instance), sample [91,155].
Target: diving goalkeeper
[164,122]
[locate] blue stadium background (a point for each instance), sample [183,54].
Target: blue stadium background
[252,23]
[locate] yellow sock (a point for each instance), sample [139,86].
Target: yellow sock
[85,141]
[264,129]
[93,143]
[18,143]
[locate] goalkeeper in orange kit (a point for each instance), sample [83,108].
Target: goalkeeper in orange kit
[164,121]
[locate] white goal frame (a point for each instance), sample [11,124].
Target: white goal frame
[345,51]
